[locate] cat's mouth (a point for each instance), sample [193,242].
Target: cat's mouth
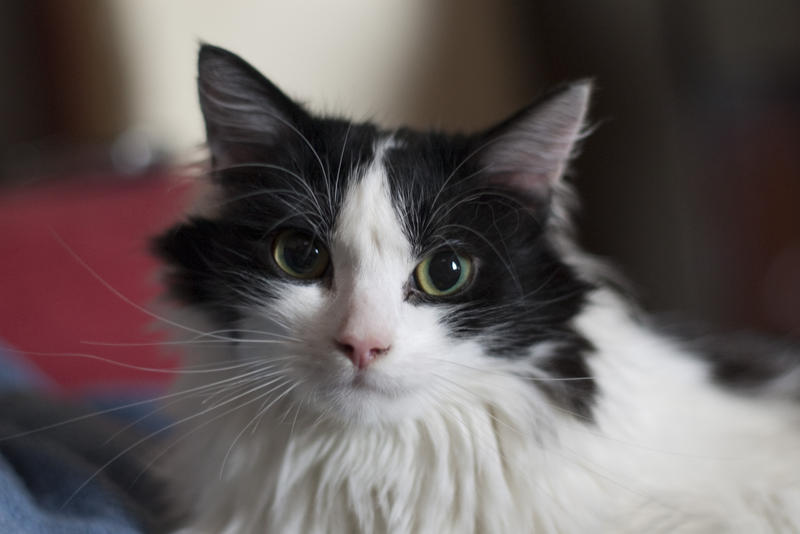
[368,381]
[361,381]
[374,384]
[378,393]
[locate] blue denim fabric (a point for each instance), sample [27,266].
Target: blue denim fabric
[48,483]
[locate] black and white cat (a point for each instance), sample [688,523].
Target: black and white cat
[414,344]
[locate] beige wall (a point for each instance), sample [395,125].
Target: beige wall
[448,63]
[349,56]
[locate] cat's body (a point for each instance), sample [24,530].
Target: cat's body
[417,346]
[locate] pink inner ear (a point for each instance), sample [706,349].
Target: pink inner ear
[535,184]
[531,159]
[532,151]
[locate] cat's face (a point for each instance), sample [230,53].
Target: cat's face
[382,272]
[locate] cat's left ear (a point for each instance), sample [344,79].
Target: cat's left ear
[245,114]
[530,151]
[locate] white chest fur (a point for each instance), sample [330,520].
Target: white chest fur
[666,453]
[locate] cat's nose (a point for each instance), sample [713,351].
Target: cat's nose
[361,351]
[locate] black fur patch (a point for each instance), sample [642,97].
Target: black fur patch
[573,387]
[753,364]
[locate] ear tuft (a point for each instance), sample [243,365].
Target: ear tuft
[531,150]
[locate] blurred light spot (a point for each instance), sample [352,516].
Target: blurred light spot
[133,152]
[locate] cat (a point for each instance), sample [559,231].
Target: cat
[407,339]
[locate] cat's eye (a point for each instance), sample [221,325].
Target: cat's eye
[443,273]
[300,255]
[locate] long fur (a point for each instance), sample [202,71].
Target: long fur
[536,400]
[667,453]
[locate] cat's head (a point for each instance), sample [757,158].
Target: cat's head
[382,271]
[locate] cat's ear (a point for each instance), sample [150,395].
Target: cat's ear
[244,112]
[531,150]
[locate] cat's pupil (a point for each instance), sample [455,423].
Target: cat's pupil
[444,270]
[301,253]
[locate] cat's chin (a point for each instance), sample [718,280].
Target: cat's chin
[373,413]
[364,399]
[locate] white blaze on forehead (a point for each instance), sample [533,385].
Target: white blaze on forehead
[367,228]
[371,254]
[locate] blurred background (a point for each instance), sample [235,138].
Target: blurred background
[690,184]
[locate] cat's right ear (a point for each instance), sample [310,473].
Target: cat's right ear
[530,151]
[245,114]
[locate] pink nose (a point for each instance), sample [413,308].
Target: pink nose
[361,352]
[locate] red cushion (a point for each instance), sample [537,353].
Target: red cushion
[50,302]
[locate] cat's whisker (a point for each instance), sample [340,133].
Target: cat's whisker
[309,145]
[266,333]
[498,310]
[262,410]
[126,406]
[160,408]
[437,217]
[280,378]
[454,172]
[296,406]
[236,383]
[300,180]
[322,416]
[270,338]
[290,198]
[453,383]
[255,361]
[116,292]
[230,391]
[287,194]
[480,197]
[191,432]
[339,165]
[543,400]
[180,343]
[260,165]
[155,433]
[222,361]
[254,420]
[512,374]
[280,338]
[135,367]
[297,413]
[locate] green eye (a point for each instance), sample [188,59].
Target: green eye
[443,273]
[299,254]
